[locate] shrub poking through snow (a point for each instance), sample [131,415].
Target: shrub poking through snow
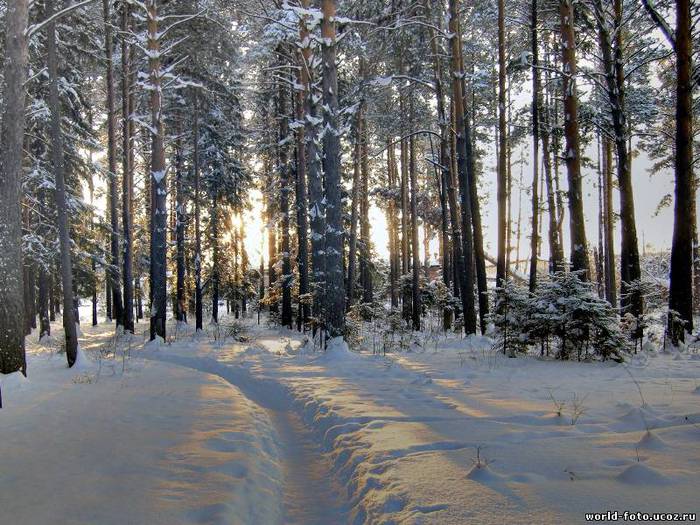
[564,314]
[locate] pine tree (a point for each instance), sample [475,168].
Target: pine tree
[12,357]
[335,290]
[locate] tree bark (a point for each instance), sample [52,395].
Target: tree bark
[127,170]
[112,167]
[577,225]
[335,291]
[534,239]
[681,298]
[198,306]
[284,206]
[465,267]
[444,171]
[12,356]
[609,225]
[502,179]
[612,54]
[180,224]
[214,222]
[393,225]
[365,246]
[317,211]
[354,212]
[159,212]
[57,154]
[301,196]
[415,255]
[477,231]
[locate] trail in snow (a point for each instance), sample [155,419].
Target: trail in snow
[311,494]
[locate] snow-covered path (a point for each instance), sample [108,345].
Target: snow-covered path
[311,495]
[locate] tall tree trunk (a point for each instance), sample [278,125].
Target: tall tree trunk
[284,206]
[180,219]
[681,298]
[406,310]
[244,267]
[93,264]
[478,235]
[365,246]
[577,225]
[317,211]
[159,212]
[271,235]
[112,167]
[69,320]
[393,226]
[29,298]
[502,180]
[534,239]
[600,251]
[466,266]
[444,171]
[108,297]
[612,55]
[214,220]
[12,356]
[415,254]
[43,303]
[127,170]
[335,291]
[556,254]
[609,225]
[354,212]
[301,196]
[198,306]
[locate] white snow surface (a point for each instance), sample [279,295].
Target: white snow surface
[272,430]
[157,444]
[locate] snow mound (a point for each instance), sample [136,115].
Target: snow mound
[82,362]
[13,381]
[154,344]
[640,474]
[252,351]
[639,418]
[483,474]
[338,350]
[651,441]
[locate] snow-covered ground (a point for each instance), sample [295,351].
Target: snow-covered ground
[155,444]
[270,431]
